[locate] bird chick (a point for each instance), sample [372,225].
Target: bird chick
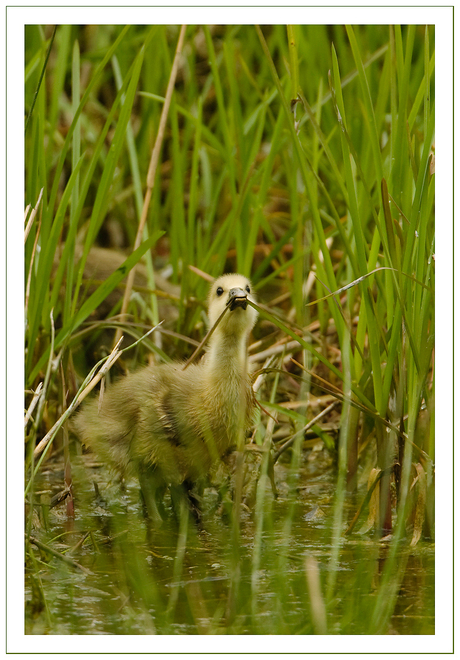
[169,425]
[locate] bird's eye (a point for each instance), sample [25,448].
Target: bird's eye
[219,291]
[247,288]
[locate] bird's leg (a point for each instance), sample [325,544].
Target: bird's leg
[153,489]
[186,493]
[194,499]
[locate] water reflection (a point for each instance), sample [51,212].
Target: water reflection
[132,584]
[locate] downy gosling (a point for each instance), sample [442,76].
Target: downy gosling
[169,425]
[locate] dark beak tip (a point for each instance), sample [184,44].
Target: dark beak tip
[238,301]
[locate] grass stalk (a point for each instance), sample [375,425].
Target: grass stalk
[152,170]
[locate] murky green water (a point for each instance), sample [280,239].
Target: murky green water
[130,581]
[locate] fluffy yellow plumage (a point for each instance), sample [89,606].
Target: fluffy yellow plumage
[169,425]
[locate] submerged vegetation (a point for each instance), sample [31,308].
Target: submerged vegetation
[302,158]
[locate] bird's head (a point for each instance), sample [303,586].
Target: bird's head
[232,291]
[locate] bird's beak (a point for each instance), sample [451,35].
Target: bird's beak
[237,298]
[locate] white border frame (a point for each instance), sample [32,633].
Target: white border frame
[17,16]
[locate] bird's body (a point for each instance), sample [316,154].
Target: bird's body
[169,425]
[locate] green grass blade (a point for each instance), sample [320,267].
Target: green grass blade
[95,300]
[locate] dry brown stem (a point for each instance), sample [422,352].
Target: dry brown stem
[114,355]
[152,171]
[33,403]
[32,216]
[305,428]
[26,233]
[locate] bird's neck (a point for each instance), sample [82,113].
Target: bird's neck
[227,358]
[227,380]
